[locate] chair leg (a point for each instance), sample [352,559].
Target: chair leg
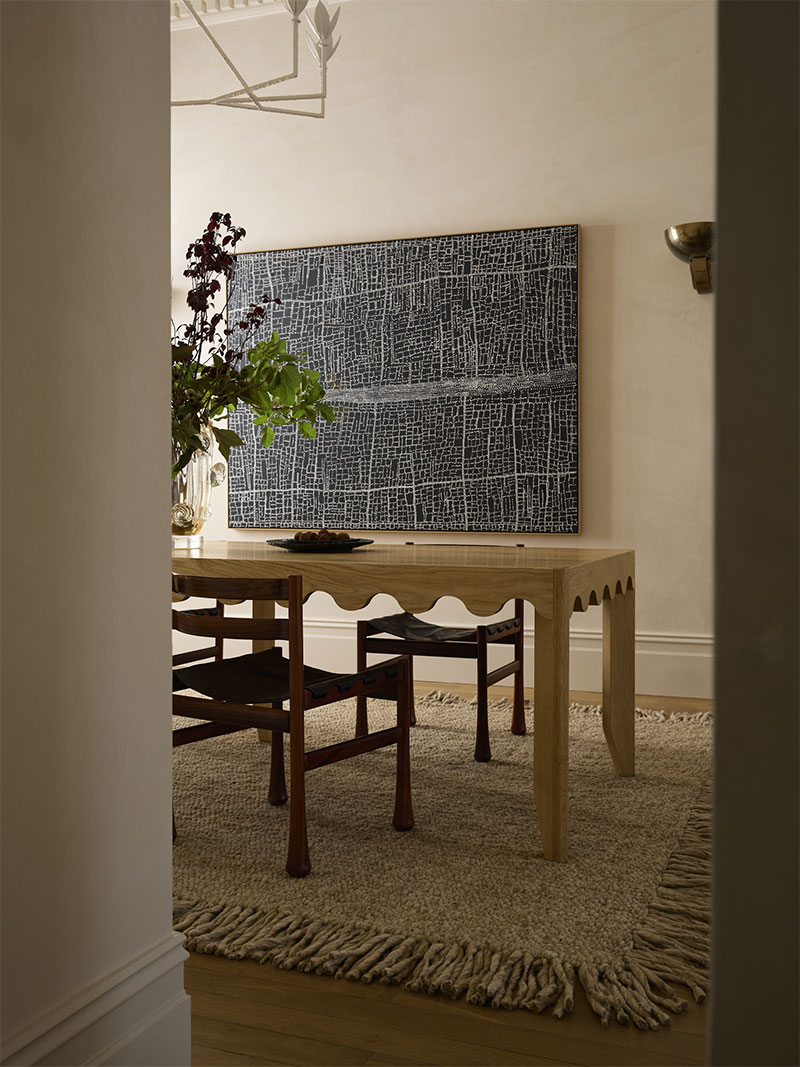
[483,751]
[403,812]
[361,665]
[277,776]
[219,643]
[298,863]
[518,726]
[412,715]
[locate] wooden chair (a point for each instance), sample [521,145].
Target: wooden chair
[411,636]
[233,688]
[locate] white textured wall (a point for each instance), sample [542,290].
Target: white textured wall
[452,117]
[91,971]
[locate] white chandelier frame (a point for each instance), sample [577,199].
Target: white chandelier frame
[249,97]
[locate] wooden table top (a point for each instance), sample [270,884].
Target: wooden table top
[483,577]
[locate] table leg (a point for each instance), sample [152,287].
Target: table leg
[551,730]
[619,615]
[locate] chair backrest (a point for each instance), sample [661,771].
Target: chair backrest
[288,590]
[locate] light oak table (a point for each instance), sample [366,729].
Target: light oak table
[557,581]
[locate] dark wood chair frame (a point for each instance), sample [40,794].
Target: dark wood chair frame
[215,651]
[389,680]
[510,631]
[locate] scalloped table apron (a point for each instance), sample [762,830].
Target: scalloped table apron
[557,581]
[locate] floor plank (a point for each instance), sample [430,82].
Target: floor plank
[265,1046]
[394,1061]
[359,1021]
[202,1056]
[392,1005]
[360,1034]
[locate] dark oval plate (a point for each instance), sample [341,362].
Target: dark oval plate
[320,546]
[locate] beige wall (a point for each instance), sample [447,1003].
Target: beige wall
[452,117]
[91,971]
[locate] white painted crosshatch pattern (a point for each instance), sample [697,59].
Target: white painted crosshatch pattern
[453,363]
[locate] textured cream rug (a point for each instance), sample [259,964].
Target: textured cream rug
[465,903]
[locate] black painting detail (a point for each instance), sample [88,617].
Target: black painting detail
[454,367]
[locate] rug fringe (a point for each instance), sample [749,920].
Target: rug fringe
[670,947]
[673,942]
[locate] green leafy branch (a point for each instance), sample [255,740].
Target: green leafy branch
[278,387]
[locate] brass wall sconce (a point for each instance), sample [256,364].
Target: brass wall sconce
[693,242]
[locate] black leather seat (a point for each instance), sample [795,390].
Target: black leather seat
[414,637]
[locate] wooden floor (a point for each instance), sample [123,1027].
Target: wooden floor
[247,1013]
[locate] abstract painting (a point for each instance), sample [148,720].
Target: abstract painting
[452,363]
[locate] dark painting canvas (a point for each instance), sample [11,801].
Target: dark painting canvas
[453,366]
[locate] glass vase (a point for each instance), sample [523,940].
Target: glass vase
[191,492]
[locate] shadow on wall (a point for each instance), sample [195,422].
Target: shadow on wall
[596,363]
